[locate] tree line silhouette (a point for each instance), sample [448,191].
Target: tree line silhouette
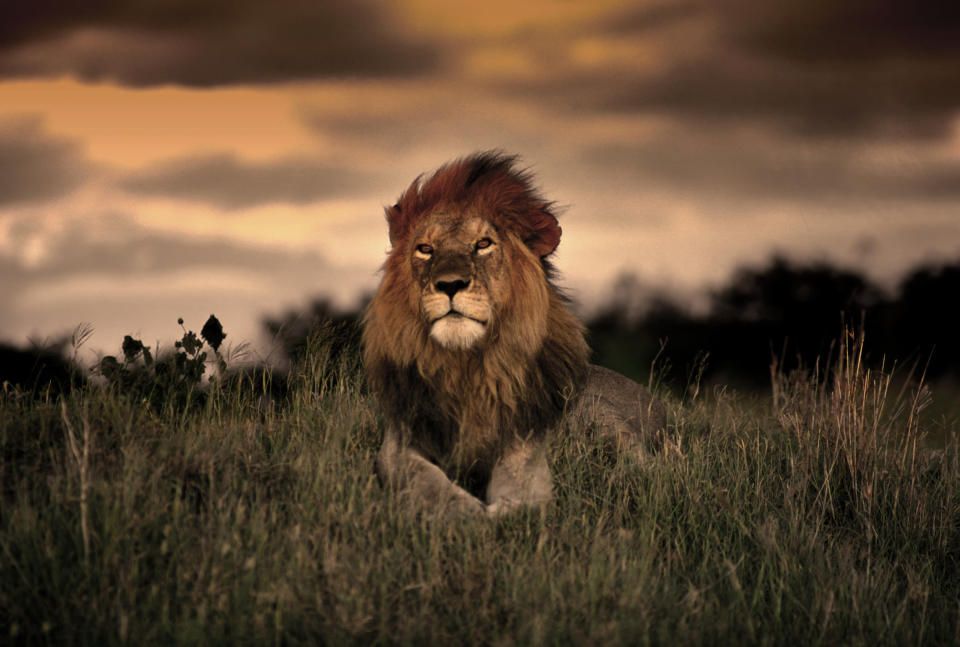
[785,310]
[793,313]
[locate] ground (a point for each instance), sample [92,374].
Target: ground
[813,513]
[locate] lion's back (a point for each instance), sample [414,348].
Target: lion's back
[622,408]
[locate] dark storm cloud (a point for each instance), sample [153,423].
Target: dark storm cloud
[725,164]
[149,42]
[825,31]
[35,166]
[230,183]
[841,101]
[860,67]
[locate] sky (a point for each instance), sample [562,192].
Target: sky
[172,158]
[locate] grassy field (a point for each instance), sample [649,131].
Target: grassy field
[812,515]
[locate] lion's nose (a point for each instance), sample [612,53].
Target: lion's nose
[451,287]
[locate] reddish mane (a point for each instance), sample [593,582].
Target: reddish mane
[490,183]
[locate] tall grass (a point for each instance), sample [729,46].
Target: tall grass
[813,516]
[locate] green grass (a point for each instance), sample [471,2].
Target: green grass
[815,515]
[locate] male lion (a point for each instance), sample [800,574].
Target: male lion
[471,349]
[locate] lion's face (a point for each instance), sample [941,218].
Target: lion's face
[458,266]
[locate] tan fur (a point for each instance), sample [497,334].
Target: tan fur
[468,345]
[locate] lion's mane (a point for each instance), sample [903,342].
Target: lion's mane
[460,406]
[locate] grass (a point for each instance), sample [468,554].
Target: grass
[814,515]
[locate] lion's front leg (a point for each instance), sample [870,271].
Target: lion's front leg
[422,482]
[520,478]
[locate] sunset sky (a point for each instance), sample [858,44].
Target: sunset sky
[173,158]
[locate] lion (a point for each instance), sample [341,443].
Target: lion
[472,350]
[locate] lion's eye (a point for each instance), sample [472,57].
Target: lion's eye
[425,249]
[484,243]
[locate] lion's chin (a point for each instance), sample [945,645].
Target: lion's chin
[457,332]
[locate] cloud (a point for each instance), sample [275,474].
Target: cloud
[760,166]
[820,31]
[813,68]
[230,183]
[883,66]
[125,278]
[652,16]
[808,67]
[115,245]
[215,42]
[37,166]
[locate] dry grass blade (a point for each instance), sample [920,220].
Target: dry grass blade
[81,458]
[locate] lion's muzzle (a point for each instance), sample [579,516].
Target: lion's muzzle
[458,310]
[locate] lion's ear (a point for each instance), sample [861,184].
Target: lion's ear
[546,232]
[399,224]
[401,216]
